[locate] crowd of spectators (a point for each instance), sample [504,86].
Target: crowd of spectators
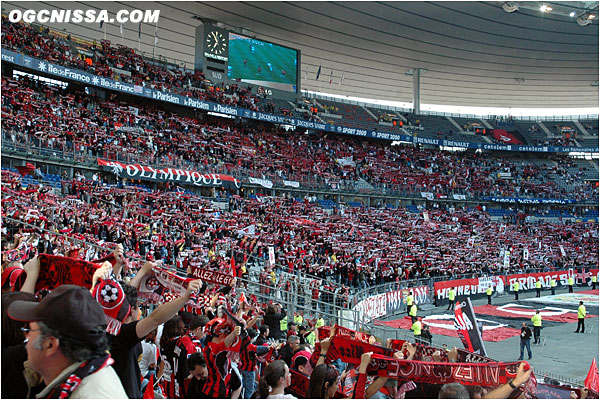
[77,344]
[125,64]
[120,63]
[184,350]
[52,118]
[353,248]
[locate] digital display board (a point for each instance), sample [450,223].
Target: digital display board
[262,63]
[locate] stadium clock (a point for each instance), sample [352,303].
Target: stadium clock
[216,45]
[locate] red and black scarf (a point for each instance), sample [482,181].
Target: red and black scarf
[66,388]
[384,364]
[56,271]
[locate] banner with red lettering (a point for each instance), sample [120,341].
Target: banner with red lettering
[386,303]
[178,176]
[384,364]
[463,287]
[212,276]
[476,287]
[527,281]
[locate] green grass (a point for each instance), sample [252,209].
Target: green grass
[279,57]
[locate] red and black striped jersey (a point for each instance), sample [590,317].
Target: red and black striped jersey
[219,369]
[175,355]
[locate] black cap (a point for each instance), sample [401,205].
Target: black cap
[69,309]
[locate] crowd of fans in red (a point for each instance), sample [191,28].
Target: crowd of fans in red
[44,116]
[209,353]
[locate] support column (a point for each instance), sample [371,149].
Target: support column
[417,91]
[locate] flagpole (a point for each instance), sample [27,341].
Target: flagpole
[104,31]
[121,29]
[140,38]
[155,39]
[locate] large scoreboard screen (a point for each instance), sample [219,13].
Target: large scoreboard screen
[262,63]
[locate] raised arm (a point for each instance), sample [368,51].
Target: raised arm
[166,311]
[502,392]
[145,270]
[32,269]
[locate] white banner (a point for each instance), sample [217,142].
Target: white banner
[427,195]
[272,255]
[459,197]
[506,259]
[291,183]
[262,182]
[346,161]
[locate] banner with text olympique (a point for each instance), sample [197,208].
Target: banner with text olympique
[43,66]
[381,304]
[178,176]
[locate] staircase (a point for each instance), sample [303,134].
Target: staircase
[581,128]
[486,124]
[369,112]
[545,129]
[453,122]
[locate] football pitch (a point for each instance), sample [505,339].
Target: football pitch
[261,61]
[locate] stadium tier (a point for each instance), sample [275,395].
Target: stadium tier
[177,233]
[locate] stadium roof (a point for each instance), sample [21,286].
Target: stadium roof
[475,53]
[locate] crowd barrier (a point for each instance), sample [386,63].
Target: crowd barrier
[388,298]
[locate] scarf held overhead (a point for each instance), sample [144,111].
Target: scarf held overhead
[383,364]
[56,271]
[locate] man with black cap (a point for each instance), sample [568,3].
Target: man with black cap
[67,344]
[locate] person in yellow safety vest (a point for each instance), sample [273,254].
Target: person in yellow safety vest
[489,292]
[581,317]
[320,322]
[283,325]
[298,319]
[594,282]
[516,290]
[537,326]
[571,283]
[409,302]
[538,289]
[451,297]
[553,286]
[413,313]
[416,328]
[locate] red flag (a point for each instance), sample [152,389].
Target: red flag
[233,272]
[149,392]
[26,170]
[591,381]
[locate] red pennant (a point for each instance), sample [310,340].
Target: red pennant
[26,170]
[149,392]
[591,381]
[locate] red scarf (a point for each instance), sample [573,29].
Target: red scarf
[383,364]
[212,276]
[65,389]
[57,270]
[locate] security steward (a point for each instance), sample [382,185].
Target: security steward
[451,297]
[489,292]
[537,326]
